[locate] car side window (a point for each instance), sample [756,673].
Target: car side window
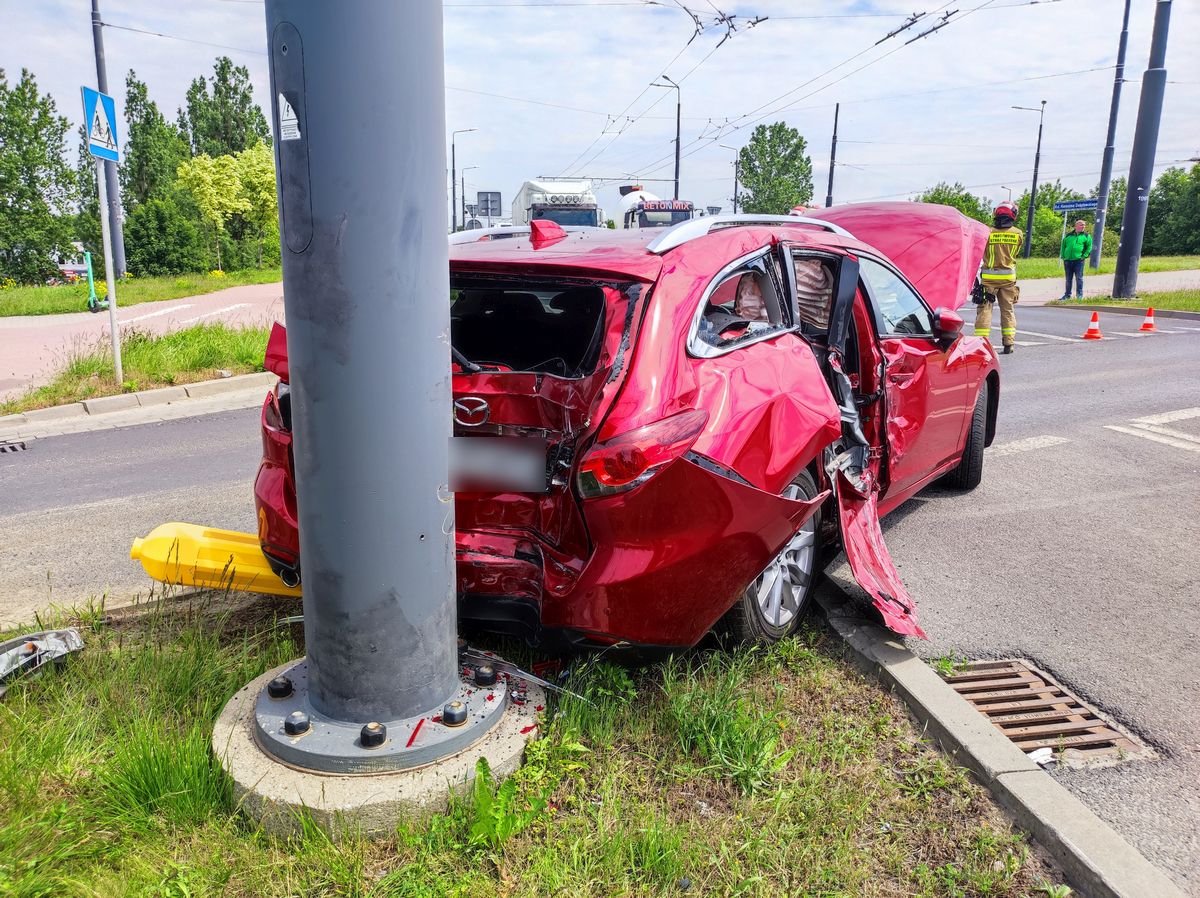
[744,304]
[901,312]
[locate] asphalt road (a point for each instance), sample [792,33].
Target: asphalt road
[1078,551]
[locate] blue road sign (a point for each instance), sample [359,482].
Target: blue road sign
[100,119]
[1075,205]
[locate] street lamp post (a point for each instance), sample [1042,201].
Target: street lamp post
[678,114]
[463,175]
[1037,161]
[736,154]
[454,179]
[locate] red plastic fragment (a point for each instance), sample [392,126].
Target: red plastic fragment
[416,730]
[528,729]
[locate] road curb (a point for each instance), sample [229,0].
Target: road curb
[64,415]
[1095,859]
[1130,310]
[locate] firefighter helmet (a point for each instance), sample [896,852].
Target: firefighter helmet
[1009,209]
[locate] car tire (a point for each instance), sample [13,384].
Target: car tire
[771,607]
[969,472]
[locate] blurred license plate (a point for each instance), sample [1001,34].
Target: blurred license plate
[496,464]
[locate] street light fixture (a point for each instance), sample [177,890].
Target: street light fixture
[736,155]
[1037,159]
[678,113]
[1009,189]
[454,179]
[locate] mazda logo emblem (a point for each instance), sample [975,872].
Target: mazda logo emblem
[471,411]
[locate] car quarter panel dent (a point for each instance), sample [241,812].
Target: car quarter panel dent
[655,576]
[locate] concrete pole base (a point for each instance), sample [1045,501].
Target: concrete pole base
[367,804]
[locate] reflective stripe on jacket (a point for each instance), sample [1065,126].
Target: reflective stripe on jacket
[1000,256]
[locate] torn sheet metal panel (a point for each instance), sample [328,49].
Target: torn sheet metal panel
[870,561]
[25,655]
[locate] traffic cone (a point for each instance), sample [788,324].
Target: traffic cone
[1148,325]
[1093,331]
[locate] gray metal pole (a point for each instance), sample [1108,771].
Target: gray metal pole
[735,184]
[453,189]
[1141,166]
[837,107]
[1110,144]
[361,175]
[110,280]
[112,182]
[1037,161]
[678,119]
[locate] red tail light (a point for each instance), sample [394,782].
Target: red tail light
[632,458]
[276,360]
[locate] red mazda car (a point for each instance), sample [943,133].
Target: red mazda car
[659,431]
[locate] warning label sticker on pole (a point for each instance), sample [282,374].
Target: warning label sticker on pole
[289,123]
[100,117]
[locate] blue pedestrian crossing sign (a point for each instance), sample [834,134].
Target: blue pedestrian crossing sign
[100,119]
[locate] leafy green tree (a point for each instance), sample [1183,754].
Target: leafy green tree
[774,170]
[163,239]
[153,148]
[256,183]
[37,186]
[1048,194]
[944,194]
[225,119]
[1173,214]
[216,190]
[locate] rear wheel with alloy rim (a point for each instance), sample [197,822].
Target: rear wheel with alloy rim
[772,605]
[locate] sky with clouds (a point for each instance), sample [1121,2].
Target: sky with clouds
[558,87]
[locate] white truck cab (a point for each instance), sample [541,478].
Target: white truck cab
[565,201]
[641,209]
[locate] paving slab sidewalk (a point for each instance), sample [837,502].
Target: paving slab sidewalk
[1043,290]
[35,347]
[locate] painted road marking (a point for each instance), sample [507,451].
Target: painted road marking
[1182,414]
[240,305]
[1048,336]
[1155,437]
[1029,444]
[170,311]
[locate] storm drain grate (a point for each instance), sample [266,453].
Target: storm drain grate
[1032,710]
[15,446]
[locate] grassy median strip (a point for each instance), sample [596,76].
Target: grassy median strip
[1175,300]
[130,292]
[731,772]
[183,356]
[1034,269]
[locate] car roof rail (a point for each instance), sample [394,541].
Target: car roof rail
[699,227]
[477,234]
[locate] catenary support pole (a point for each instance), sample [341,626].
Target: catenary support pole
[1141,166]
[832,156]
[115,259]
[453,188]
[735,184]
[1037,161]
[110,280]
[358,98]
[1110,143]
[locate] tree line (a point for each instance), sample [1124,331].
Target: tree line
[198,194]
[1172,216]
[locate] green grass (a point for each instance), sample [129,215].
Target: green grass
[183,356]
[1033,269]
[130,292]
[1176,300]
[752,772]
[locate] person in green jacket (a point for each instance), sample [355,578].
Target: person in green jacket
[1076,247]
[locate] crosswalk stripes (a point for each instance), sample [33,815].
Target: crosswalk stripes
[1152,427]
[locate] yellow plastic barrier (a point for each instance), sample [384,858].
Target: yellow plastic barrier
[192,555]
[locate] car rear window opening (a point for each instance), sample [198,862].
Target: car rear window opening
[528,325]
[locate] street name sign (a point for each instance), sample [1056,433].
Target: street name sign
[100,119]
[1076,205]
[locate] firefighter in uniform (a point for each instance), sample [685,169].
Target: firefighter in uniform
[999,277]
